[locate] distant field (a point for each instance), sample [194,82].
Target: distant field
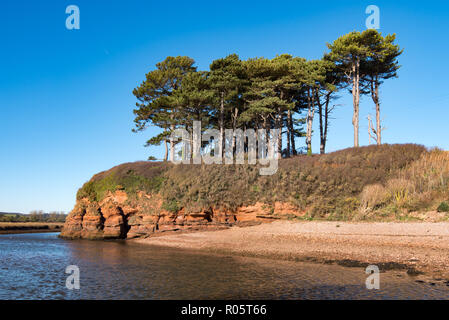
[26,227]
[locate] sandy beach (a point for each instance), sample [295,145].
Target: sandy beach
[412,247]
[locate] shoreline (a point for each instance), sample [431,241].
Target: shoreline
[29,231]
[414,247]
[29,227]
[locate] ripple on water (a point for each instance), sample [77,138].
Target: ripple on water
[32,266]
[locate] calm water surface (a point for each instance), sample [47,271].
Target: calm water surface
[32,266]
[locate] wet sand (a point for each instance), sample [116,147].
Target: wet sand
[412,247]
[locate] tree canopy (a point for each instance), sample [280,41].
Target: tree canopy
[283,93]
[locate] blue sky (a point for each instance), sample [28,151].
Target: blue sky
[66,95]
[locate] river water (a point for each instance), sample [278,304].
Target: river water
[32,266]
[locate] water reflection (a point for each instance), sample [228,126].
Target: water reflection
[32,267]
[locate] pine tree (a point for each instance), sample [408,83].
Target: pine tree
[197,97]
[347,52]
[330,84]
[157,104]
[315,75]
[380,65]
[226,79]
[266,93]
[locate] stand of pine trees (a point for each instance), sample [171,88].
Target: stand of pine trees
[286,92]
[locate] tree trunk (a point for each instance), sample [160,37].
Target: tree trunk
[172,143]
[321,116]
[375,97]
[356,98]
[166,150]
[234,126]
[322,138]
[310,116]
[378,124]
[266,126]
[222,125]
[292,134]
[326,121]
[289,133]
[279,126]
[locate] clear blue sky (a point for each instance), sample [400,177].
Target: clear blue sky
[66,95]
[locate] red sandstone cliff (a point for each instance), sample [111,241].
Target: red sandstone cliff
[115,218]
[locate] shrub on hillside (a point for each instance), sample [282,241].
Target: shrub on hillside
[130,177]
[443,207]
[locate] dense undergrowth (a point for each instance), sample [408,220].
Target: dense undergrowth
[348,184]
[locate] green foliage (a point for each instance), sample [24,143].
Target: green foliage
[171,206]
[159,97]
[226,81]
[443,207]
[381,61]
[129,177]
[365,59]
[263,93]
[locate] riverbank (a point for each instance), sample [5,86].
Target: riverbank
[29,227]
[413,247]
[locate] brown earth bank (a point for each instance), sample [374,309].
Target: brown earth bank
[420,249]
[29,227]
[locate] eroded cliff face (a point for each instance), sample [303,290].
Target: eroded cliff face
[115,217]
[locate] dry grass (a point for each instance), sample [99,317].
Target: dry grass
[429,173]
[373,196]
[421,186]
